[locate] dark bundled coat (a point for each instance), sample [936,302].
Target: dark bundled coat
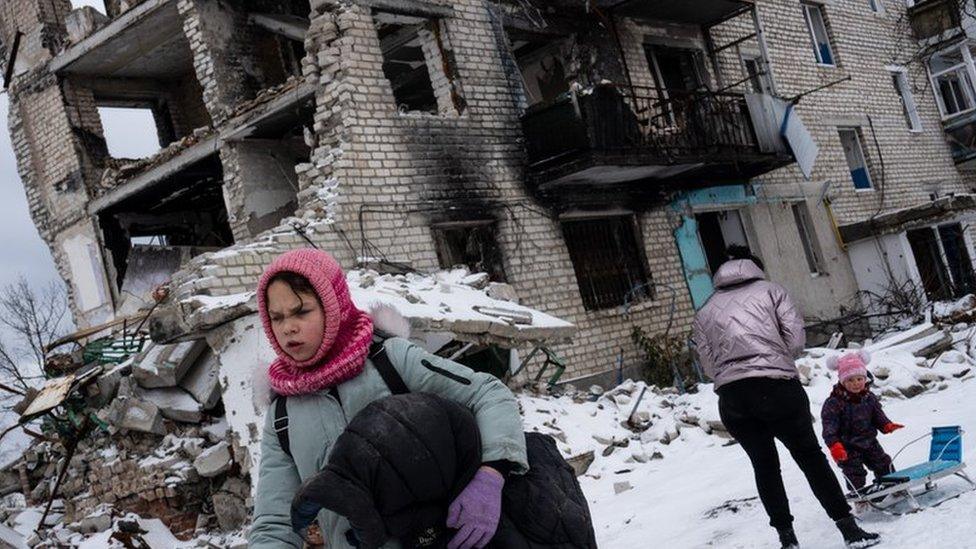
[544,508]
[854,420]
[395,470]
[394,476]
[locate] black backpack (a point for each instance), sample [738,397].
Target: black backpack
[560,517]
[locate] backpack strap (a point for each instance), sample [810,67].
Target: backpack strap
[377,353]
[281,423]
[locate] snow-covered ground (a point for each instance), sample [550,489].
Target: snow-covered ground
[680,482]
[698,489]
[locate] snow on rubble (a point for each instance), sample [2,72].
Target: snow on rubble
[653,463]
[466,305]
[673,475]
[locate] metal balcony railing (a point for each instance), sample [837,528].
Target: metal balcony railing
[640,125]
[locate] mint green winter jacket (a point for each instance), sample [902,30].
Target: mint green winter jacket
[316,420]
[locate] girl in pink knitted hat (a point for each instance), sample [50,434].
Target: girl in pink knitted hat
[324,375]
[852,418]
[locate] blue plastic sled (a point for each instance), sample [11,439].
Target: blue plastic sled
[945,459]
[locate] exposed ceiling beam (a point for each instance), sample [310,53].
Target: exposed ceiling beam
[289,26]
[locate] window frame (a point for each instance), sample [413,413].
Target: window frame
[856,132]
[448,68]
[809,7]
[902,85]
[764,76]
[969,71]
[808,238]
[592,303]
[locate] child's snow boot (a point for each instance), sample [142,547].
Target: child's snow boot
[787,538]
[854,537]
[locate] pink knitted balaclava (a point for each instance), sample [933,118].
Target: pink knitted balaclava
[348,331]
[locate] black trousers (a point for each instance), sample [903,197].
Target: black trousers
[758,410]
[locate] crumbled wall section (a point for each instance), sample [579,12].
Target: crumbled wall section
[53,128]
[376,179]
[391,170]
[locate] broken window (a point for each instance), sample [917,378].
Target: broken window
[926,246]
[850,139]
[129,133]
[418,63]
[473,244]
[943,261]
[717,231]
[908,106]
[956,252]
[179,217]
[677,72]
[817,24]
[543,65]
[808,237]
[608,258]
[755,70]
[951,80]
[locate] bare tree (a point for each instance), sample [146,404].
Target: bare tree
[34,319]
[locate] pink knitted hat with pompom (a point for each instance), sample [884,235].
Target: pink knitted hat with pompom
[348,331]
[850,365]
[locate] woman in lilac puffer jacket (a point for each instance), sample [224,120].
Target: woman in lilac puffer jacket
[746,337]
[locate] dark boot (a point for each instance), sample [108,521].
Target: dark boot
[787,538]
[854,536]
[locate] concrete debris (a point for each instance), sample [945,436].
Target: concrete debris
[120,170]
[96,522]
[502,292]
[82,22]
[133,414]
[201,381]
[165,365]
[581,462]
[11,539]
[620,487]
[213,461]
[174,403]
[230,504]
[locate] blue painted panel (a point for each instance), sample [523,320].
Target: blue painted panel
[693,260]
[729,194]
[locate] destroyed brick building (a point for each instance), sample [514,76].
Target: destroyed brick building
[593,157]
[597,160]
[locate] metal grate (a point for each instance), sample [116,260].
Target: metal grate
[607,259]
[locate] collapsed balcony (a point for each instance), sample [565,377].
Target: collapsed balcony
[616,135]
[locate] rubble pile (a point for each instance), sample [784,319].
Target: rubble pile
[266,95]
[611,433]
[158,466]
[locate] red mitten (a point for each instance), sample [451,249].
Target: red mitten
[838,452]
[891,428]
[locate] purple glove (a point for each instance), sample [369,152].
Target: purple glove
[476,510]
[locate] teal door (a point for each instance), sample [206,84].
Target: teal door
[694,261]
